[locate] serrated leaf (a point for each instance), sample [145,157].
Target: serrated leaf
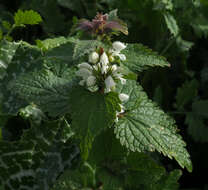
[140,58]
[49,92]
[169,181]
[83,47]
[27,163]
[145,127]
[186,93]
[91,114]
[171,24]
[51,43]
[25,58]
[22,18]
[143,170]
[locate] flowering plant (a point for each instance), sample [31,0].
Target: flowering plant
[88,116]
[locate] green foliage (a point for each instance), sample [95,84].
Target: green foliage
[141,58]
[38,85]
[101,115]
[145,127]
[171,24]
[22,18]
[30,168]
[49,92]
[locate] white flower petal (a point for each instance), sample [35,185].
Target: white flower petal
[85,65]
[123,97]
[91,81]
[84,73]
[123,81]
[109,83]
[82,82]
[114,68]
[104,69]
[104,59]
[118,46]
[122,57]
[93,57]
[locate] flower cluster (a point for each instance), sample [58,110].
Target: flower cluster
[102,71]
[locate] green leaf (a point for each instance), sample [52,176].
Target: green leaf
[40,157]
[169,181]
[91,114]
[140,58]
[44,89]
[142,170]
[7,52]
[186,93]
[111,148]
[51,43]
[83,47]
[171,24]
[196,121]
[145,127]
[22,18]
[21,59]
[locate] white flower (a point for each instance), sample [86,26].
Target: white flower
[95,67]
[91,81]
[104,59]
[114,68]
[123,97]
[109,83]
[84,73]
[122,57]
[93,57]
[123,81]
[85,65]
[118,46]
[104,69]
[82,82]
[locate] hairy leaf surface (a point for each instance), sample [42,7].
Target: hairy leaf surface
[145,126]
[140,58]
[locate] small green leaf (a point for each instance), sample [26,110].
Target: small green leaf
[22,18]
[140,58]
[171,24]
[145,126]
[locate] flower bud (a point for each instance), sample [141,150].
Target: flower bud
[114,68]
[104,59]
[91,81]
[123,97]
[111,58]
[118,46]
[93,57]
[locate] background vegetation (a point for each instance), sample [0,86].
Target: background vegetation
[177,29]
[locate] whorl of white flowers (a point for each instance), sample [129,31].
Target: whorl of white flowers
[103,69]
